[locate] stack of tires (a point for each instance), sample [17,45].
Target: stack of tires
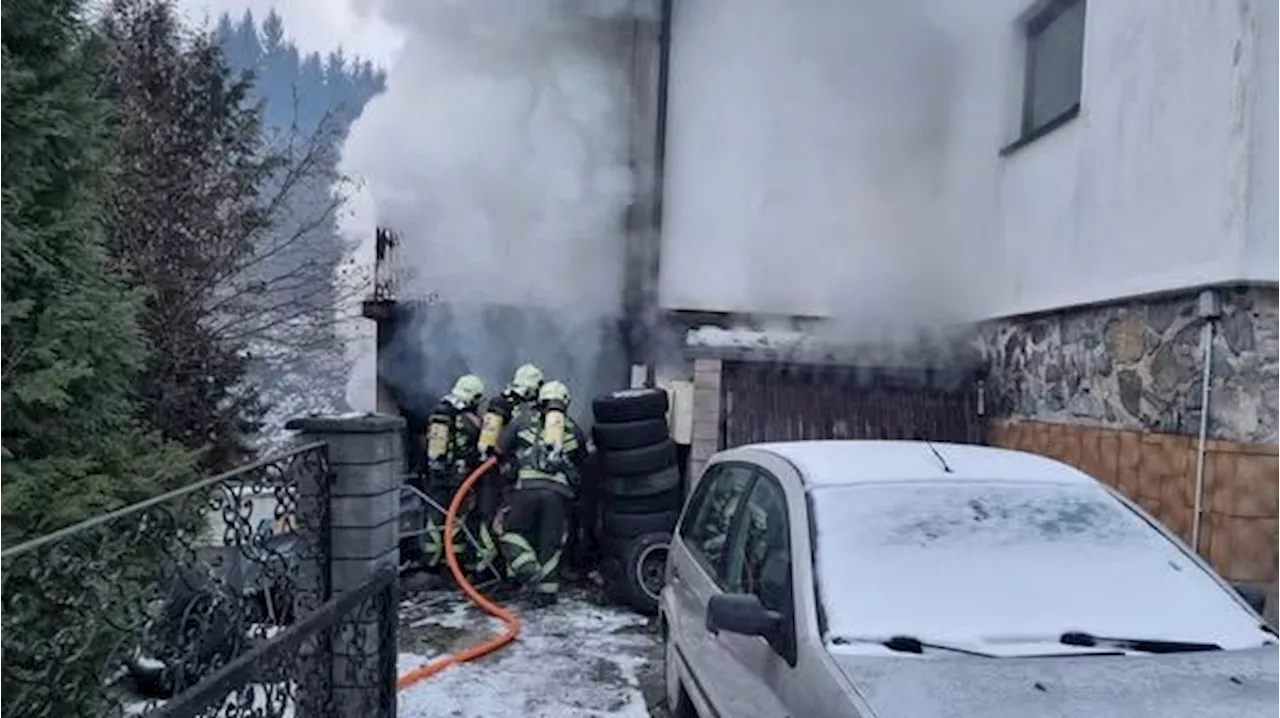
[641,493]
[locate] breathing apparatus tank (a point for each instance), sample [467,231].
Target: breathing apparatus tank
[466,393]
[524,387]
[554,401]
[438,428]
[495,420]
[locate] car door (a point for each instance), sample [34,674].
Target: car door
[696,572]
[759,563]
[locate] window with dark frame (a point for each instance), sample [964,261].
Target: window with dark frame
[1054,63]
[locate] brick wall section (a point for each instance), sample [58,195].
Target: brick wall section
[1238,529]
[706,415]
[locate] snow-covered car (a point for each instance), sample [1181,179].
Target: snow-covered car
[885,579]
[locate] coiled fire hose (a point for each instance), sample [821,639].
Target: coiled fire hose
[511,620]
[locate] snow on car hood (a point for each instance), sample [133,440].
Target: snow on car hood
[1218,684]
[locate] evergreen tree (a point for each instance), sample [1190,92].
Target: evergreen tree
[247,46]
[272,33]
[335,68]
[71,444]
[183,221]
[225,28]
[307,106]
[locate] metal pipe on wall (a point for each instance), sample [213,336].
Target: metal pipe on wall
[1209,309]
[650,309]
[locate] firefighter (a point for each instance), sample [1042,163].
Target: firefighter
[452,432]
[547,448]
[519,396]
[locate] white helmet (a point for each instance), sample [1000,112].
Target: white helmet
[527,379]
[469,388]
[554,391]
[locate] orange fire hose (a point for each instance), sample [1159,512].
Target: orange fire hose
[511,619]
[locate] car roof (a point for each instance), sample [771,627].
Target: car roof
[845,463]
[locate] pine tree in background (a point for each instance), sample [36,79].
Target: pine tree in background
[307,101]
[72,446]
[272,33]
[297,90]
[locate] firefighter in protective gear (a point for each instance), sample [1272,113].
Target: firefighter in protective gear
[519,396]
[547,448]
[452,432]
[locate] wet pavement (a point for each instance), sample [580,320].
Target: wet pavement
[581,658]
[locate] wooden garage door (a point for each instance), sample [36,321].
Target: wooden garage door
[785,402]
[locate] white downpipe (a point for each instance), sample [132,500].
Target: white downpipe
[1206,335]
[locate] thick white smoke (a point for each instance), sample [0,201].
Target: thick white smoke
[808,165]
[499,153]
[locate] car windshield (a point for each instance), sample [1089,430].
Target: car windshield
[986,563]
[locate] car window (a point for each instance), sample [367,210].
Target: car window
[709,520]
[760,561]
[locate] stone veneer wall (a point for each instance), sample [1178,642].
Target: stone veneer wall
[1238,530]
[1137,365]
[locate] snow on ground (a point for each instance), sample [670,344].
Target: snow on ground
[712,336]
[577,659]
[258,699]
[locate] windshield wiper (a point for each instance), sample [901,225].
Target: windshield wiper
[911,644]
[1144,645]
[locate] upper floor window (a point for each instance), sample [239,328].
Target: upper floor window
[1054,60]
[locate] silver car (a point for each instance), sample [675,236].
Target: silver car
[915,580]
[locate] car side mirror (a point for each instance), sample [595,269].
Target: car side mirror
[1252,595]
[742,613]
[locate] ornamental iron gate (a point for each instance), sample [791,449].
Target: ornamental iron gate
[786,402]
[211,600]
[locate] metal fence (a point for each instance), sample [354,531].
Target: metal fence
[212,600]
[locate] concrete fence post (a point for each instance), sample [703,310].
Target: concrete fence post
[366,462]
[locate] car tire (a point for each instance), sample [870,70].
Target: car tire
[669,500]
[617,526]
[630,405]
[641,461]
[641,571]
[626,487]
[630,434]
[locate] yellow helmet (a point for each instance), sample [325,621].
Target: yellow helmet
[469,388]
[527,379]
[554,391]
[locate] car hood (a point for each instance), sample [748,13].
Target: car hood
[1226,684]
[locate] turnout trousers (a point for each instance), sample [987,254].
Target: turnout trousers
[476,558]
[536,528]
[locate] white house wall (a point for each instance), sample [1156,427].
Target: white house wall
[1147,190]
[853,148]
[804,150]
[1262,249]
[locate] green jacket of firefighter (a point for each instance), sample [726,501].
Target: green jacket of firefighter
[453,430]
[545,446]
